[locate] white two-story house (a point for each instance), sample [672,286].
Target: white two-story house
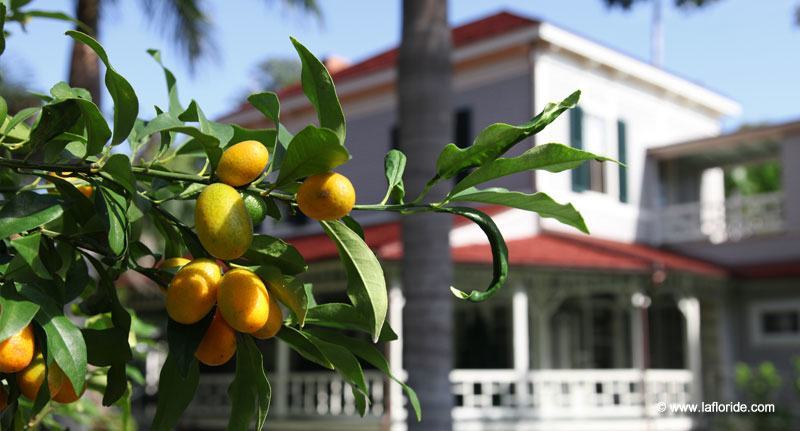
[683,275]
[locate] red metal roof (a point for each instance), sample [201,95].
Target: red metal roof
[554,250]
[481,29]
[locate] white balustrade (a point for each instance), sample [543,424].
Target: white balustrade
[480,395]
[734,219]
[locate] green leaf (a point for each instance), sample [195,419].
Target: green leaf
[366,285]
[113,205]
[64,340]
[211,144]
[56,118]
[344,316]
[312,151]
[175,107]
[395,164]
[126,104]
[289,291]
[106,347]
[249,392]
[183,341]
[299,341]
[118,167]
[499,252]
[346,364]
[320,91]
[539,203]
[269,105]
[97,130]
[496,139]
[79,205]
[268,250]
[16,312]
[354,225]
[60,16]
[549,157]
[16,126]
[3,108]
[27,248]
[175,391]
[26,211]
[373,356]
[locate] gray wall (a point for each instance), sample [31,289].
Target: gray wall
[369,136]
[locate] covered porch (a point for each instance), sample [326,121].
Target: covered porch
[569,349]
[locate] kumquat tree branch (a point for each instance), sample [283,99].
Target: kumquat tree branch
[78,191]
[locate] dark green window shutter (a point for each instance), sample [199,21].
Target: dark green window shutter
[580,175]
[622,156]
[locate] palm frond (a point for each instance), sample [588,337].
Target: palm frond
[186,23]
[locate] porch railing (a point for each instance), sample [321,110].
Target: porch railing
[480,395]
[734,219]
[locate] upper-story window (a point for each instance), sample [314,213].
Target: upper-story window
[588,132]
[775,322]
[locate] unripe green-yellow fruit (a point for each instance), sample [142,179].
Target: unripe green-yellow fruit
[256,206]
[222,222]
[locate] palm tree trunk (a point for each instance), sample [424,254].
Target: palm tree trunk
[84,66]
[424,96]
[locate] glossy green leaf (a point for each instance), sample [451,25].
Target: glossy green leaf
[60,16]
[113,205]
[366,285]
[56,118]
[16,127]
[175,107]
[269,105]
[183,341]
[175,391]
[321,92]
[312,151]
[97,130]
[106,347]
[539,203]
[28,250]
[496,139]
[116,384]
[268,250]
[16,312]
[549,157]
[118,167]
[79,205]
[394,165]
[368,352]
[300,343]
[26,211]
[499,252]
[126,104]
[3,109]
[290,291]
[347,365]
[65,343]
[344,316]
[165,122]
[354,225]
[250,392]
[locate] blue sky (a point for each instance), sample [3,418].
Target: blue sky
[745,49]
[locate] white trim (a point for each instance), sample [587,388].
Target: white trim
[756,310]
[600,54]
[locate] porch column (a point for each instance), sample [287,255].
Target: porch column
[280,401]
[640,303]
[519,310]
[690,307]
[397,413]
[541,337]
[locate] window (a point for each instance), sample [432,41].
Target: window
[622,156]
[775,322]
[462,133]
[587,132]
